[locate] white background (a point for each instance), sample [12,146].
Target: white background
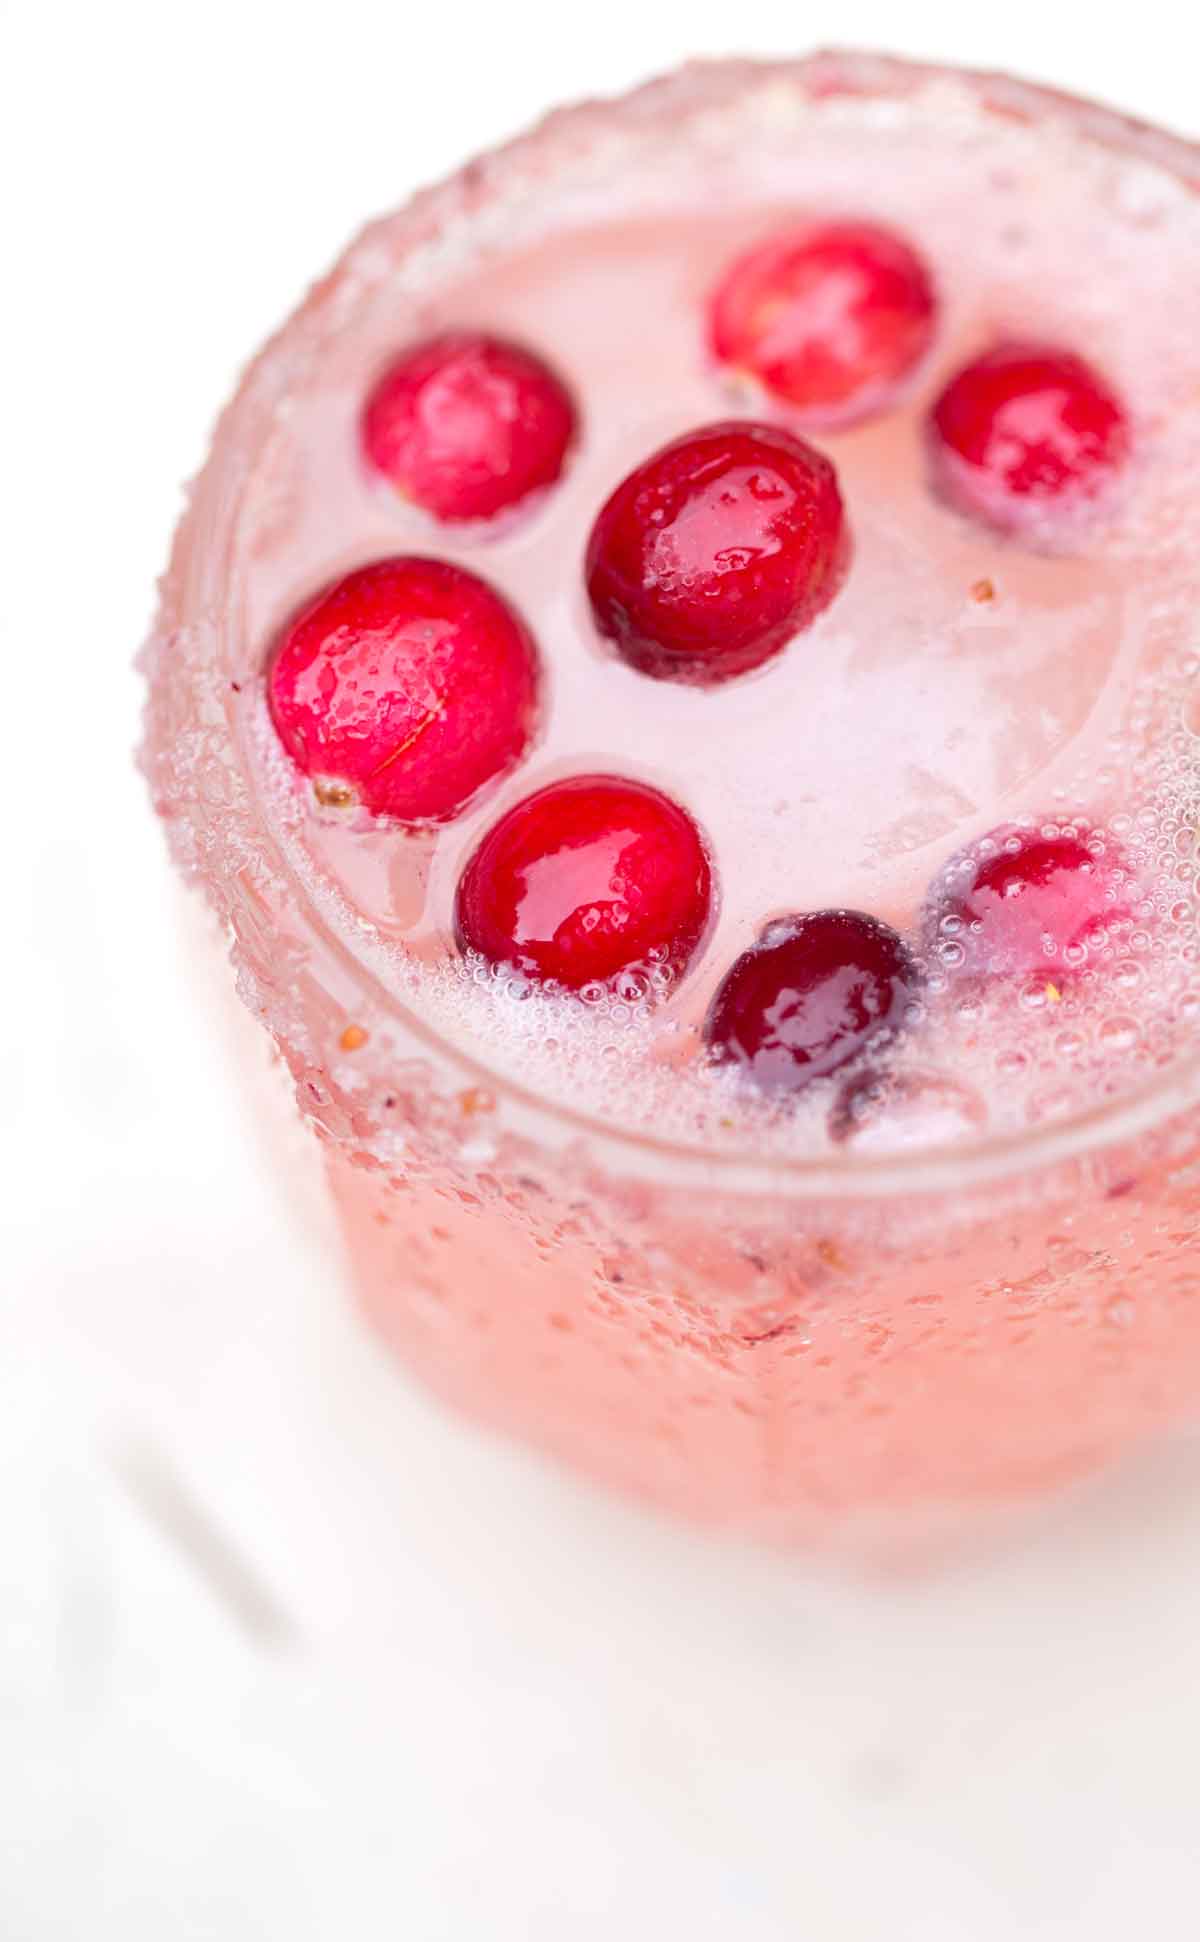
[283,1655]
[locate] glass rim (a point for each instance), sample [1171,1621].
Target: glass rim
[847,1174]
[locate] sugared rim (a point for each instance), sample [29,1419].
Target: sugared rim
[688,92]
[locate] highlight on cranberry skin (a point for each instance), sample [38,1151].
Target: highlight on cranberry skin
[708,558]
[814,992]
[1023,903]
[404,688]
[584,880]
[467,426]
[829,319]
[1024,432]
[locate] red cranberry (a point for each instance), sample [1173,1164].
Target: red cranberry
[1023,430]
[828,319]
[814,991]
[706,560]
[467,425]
[1032,903]
[404,688]
[585,879]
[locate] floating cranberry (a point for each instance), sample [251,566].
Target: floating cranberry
[813,992]
[706,560]
[584,880]
[466,425]
[1029,903]
[1024,431]
[828,319]
[403,688]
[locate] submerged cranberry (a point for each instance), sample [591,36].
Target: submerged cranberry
[1024,430]
[584,880]
[466,425]
[1033,903]
[403,688]
[885,1111]
[706,560]
[814,991]
[828,319]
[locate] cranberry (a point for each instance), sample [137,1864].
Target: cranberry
[706,560]
[1024,429]
[467,425]
[404,688]
[1032,903]
[585,879]
[884,1111]
[814,991]
[828,319]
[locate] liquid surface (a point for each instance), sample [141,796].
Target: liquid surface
[959,682]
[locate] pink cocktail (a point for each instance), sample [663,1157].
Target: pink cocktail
[678,677]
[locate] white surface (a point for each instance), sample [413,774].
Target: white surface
[458,1698]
